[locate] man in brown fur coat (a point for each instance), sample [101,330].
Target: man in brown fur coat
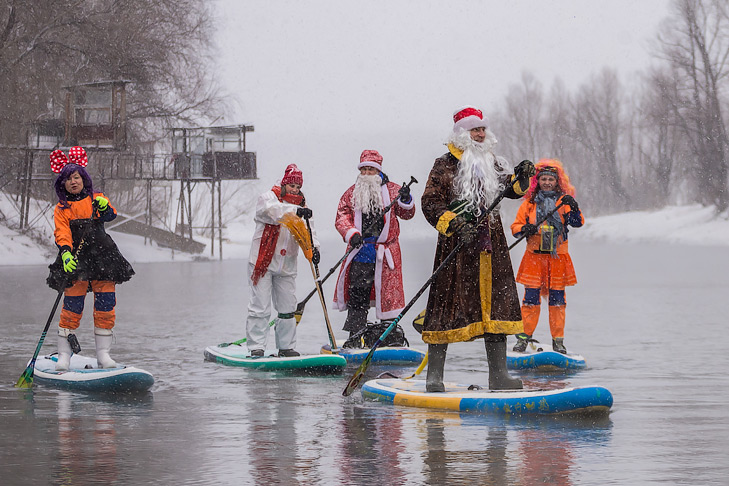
[475,295]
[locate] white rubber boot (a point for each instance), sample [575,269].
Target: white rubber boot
[103,339]
[64,350]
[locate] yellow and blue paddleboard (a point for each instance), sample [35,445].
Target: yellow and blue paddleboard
[470,398]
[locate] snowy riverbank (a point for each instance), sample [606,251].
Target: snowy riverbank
[682,225]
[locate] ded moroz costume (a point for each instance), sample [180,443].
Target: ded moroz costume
[372,273]
[475,295]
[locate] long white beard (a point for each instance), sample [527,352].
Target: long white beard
[477,181]
[367,195]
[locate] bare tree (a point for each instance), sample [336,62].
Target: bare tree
[597,128]
[695,45]
[523,112]
[558,118]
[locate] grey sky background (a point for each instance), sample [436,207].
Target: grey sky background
[322,80]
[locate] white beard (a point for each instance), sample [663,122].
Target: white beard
[477,180]
[367,195]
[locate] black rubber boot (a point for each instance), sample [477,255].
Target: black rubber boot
[436,363]
[522,340]
[354,340]
[356,320]
[499,378]
[558,345]
[288,353]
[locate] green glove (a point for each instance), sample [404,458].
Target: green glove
[103,203]
[69,262]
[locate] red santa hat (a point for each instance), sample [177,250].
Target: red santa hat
[292,175]
[370,158]
[469,118]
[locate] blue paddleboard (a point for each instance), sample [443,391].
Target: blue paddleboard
[382,355]
[84,375]
[541,357]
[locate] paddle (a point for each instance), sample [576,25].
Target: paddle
[26,379]
[359,374]
[315,272]
[300,307]
[241,341]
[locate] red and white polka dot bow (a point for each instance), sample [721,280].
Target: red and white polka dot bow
[77,155]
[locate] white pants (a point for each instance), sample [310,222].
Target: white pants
[281,289]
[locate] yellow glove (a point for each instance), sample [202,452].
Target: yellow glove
[102,202]
[69,262]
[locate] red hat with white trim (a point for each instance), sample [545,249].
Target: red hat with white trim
[469,118]
[292,175]
[370,158]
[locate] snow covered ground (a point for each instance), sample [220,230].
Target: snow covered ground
[682,225]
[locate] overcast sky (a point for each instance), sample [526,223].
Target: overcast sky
[389,74]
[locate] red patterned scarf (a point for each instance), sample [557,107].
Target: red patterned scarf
[270,236]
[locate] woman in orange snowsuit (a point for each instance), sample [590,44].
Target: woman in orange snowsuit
[546,268]
[87,257]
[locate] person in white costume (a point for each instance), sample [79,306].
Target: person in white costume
[272,265]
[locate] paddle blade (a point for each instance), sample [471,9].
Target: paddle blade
[359,374]
[299,312]
[26,379]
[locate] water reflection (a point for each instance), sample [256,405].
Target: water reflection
[480,461]
[87,442]
[87,446]
[272,437]
[372,446]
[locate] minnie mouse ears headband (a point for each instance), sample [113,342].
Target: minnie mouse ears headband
[76,155]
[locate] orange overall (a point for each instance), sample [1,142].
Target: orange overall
[545,273]
[75,295]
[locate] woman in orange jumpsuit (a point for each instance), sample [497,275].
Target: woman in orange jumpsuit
[546,268]
[96,263]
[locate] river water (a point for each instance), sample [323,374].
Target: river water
[649,319]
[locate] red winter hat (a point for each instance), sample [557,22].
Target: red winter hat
[370,158]
[77,155]
[469,118]
[292,175]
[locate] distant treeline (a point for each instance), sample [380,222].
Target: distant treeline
[662,140]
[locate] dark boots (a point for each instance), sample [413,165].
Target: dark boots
[522,339]
[436,363]
[558,345]
[499,378]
